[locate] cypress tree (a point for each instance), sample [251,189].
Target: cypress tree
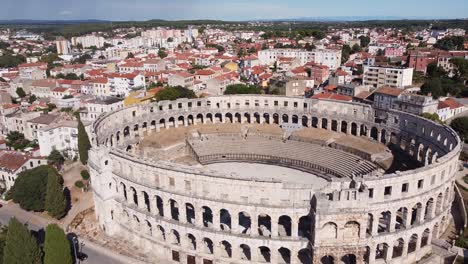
[55,201]
[20,246]
[56,246]
[83,142]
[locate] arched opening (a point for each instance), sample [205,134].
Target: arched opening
[285,118]
[425,237]
[126,132]
[344,127]
[352,230]
[374,133]
[384,222]
[192,242]
[225,220]
[284,225]
[257,118]
[246,254]
[435,231]
[275,119]
[304,226]
[354,129]
[284,255]
[383,138]
[238,118]
[209,118]
[295,119]
[229,118]
[416,214]
[324,123]
[265,255]
[266,118]
[174,237]
[147,201]
[207,216]
[162,123]
[172,122]
[398,248]
[160,233]
[363,130]
[190,120]
[305,121]
[190,213]
[315,122]
[264,225]
[208,246]
[124,190]
[304,256]
[334,125]
[160,205]
[401,216]
[370,224]
[174,209]
[117,136]
[149,228]
[412,243]
[327,260]
[136,222]
[247,118]
[135,195]
[348,259]
[218,118]
[244,223]
[428,210]
[180,121]
[200,118]
[381,252]
[226,249]
[330,230]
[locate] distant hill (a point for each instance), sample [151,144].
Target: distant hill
[49,22]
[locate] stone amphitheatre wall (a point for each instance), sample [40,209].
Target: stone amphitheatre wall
[190,215]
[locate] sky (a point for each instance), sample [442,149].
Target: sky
[231,10]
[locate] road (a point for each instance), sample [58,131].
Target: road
[96,254]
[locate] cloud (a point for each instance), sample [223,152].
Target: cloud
[65,12]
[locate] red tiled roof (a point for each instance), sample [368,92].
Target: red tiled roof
[389,91]
[204,72]
[12,160]
[449,103]
[332,96]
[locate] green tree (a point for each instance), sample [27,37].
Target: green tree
[3,236]
[162,54]
[242,89]
[55,201]
[174,93]
[85,175]
[55,158]
[434,117]
[345,53]
[451,43]
[130,55]
[56,246]
[461,68]
[356,48]
[433,87]
[83,142]
[16,140]
[20,92]
[79,184]
[460,125]
[20,246]
[365,40]
[32,99]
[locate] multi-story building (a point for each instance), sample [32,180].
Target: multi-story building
[319,73]
[379,76]
[94,108]
[121,84]
[415,104]
[33,71]
[13,163]
[101,87]
[39,122]
[385,97]
[88,41]
[61,136]
[63,46]
[449,108]
[328,57]
[184,79]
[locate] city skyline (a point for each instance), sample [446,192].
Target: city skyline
[236,10]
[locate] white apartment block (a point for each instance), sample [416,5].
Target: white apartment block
[88,41]
[94,108]
[328,57]
[63,46]
[379,76]
[62,137]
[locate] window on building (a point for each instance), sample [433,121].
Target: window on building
[371,192]
[420,184]
[171,182]
[404,187]
[388,191]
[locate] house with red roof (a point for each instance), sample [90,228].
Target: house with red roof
[217,85]
[449,108]
[12,163]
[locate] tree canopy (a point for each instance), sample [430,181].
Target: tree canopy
[365,40]
[55,201]
[162,54]
[242,89]
[56,246]
[20,246]
[174,93]
[56,158]
[460,125]
[16,140]
[451,43]
[84,144]
[20,92]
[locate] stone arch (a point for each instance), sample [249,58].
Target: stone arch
[172,122]
[428,209]
[315,122]
[174,207]
[117,136]
[136,222]
[284,255]
[295,119]
[305,121]
[237,118]
[370,224]
[135,195]
[209,118]
[425,237]
[383,136]
[225,220]
[200,118]
[381,251]
[159,205]
[275,118]
[284,226]
[229,118]
[190,120]
[413,241]
[160,233]
[324,123]
[344,127]
[226,249]
[246,253]
[264,225]
[304,256]
[192,242]
[245,222]
[149,228]
[349,259]
[330,230]
[266,118]
[401,216]
[126,131]
[384,222]
[416,213]
[208,246]
[334,125]
[181,121]
[190,213]
[124,190]
[374,133]
[256,118]
[247,118]
[147,201]
[207,215]
[327,259]
[435,231]
[264,254]
[398,247]
[218,118]
[352,230]
[285,118]
[174,237]
[354,128]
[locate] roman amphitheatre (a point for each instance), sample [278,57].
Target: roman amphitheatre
[271,179]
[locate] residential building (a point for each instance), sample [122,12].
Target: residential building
[328,57]
[39,122]
[63,46]
[385,97]
[380,76]
[12,163]
[184,79]
[96,107]
[88,41]
[449,108]
[415,104]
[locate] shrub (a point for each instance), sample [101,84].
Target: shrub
[79,184]
[85,174]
